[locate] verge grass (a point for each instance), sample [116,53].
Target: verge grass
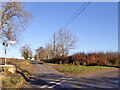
[52,64]
[10,80]
[22,75]
[74,69]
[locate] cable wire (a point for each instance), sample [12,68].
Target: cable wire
[76,14]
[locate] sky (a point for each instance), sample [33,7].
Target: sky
[96,27]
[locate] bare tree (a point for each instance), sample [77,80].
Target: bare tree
[65,41]
[26,52]
[13,19]
[49,51]
[58,51]
[41,53]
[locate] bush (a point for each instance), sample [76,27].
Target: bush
[70,60]
[76,59]
[65,60]
[90,59]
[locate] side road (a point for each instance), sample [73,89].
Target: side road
[44,76]
[102,79]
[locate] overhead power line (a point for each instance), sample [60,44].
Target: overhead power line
[77,13]
[74,14]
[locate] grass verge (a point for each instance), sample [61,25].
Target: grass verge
[22,75]
[78,70]
[52,64]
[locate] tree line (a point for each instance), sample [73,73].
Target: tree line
[14,19]
[64,42]
[88,59]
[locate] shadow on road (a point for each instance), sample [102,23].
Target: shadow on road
[45,79]
[103,82]
[100,82]
[44,74]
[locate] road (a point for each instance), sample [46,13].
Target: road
[44,76]
[103,79]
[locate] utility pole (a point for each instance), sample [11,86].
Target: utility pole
[54,44]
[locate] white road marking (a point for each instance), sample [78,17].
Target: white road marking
[63,81]
[63,78]
[51,82]
[45,86]
[69,78]
[52,86]
[57,80]
[58,83]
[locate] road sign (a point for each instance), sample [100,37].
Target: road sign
[11,42]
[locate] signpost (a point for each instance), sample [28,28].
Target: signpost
[6,45]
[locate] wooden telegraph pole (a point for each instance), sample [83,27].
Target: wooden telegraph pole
[54,44]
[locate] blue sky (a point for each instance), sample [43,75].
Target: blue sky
[96,27]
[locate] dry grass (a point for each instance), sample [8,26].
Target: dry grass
[52,64]
[16,80]
[10,80]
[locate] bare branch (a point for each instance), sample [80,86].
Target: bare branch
[65,41]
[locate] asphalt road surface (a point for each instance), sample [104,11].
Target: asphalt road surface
[44,76]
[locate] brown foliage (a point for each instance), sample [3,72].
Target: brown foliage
[99,59]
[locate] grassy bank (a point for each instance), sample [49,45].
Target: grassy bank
[77,70]
[22,75]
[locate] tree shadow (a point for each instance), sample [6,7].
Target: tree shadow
[104,82]
[43,79]
[26,79]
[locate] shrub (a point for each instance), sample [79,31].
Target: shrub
[90,59]
[76,58]
[70,60]
[65,60]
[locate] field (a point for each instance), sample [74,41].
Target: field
[22,75]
